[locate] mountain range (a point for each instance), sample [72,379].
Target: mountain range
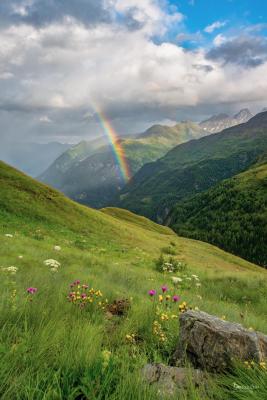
[193,167]
[219,122]
[91,175]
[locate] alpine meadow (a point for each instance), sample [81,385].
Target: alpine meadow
[133,200]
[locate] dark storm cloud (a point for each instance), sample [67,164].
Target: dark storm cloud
[247,51]
[42,12]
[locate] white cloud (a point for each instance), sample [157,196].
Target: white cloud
[219,39]
[63,68]
[214,26]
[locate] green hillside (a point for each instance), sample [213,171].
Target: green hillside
[232,215]
[53,348]
[194,167]
[95,179]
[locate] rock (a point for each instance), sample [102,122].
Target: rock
[211,343]
[170,379]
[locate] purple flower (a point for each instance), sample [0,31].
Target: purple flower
[176,298]
[83,295]
[152,292]
[164,289]
[77,282]
[32,290]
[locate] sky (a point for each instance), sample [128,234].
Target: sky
[138,61]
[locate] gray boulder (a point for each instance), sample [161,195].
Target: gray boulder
[169,380]
[211,343]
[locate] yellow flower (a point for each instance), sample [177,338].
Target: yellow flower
[263,364]
[168,297]
[160,298]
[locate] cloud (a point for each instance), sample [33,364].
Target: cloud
[189,37]
[246,51]
[214,26]
[59,69]
[45,119]
[43,12]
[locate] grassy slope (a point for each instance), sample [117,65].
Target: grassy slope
[231,215]
[193,167]
[51,351]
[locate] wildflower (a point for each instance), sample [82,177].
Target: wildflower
[262,364]
[9,235]
[168,297]
[12,270]
[164,289]
[57,248]
[176,298]
[52,263]
[54,269]
[31,290]
[20,257]
[176,280]
[152,292]
[160,298]
[194,276]
[198,284]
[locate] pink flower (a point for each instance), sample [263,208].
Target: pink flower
[164,289]
[176,298]
[83,295]
[152,292]
[85,286]
[32,290]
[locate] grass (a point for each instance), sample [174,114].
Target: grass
[51,349]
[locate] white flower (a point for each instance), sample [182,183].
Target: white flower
[54,269]
[198,284]
[9,235]
[52,263]
[176,279]
[20,257]
[188,278]
[57,248]
[194,276]
[11,270]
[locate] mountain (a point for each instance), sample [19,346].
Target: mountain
[54,174]
[194,167]
[219,122]
[54,348]
[231,215]
[95,178]
[32,158]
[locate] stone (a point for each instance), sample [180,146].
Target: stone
[211,343]
[168,380]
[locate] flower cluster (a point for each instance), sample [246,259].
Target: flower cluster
[131,338]
[31,290]
[52,264]
[186,281]
[166,311]
[164,297]
[81,295]
[252,364]
[10,270]
[57,248]
[183,307]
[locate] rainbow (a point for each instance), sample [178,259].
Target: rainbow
[115,144]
